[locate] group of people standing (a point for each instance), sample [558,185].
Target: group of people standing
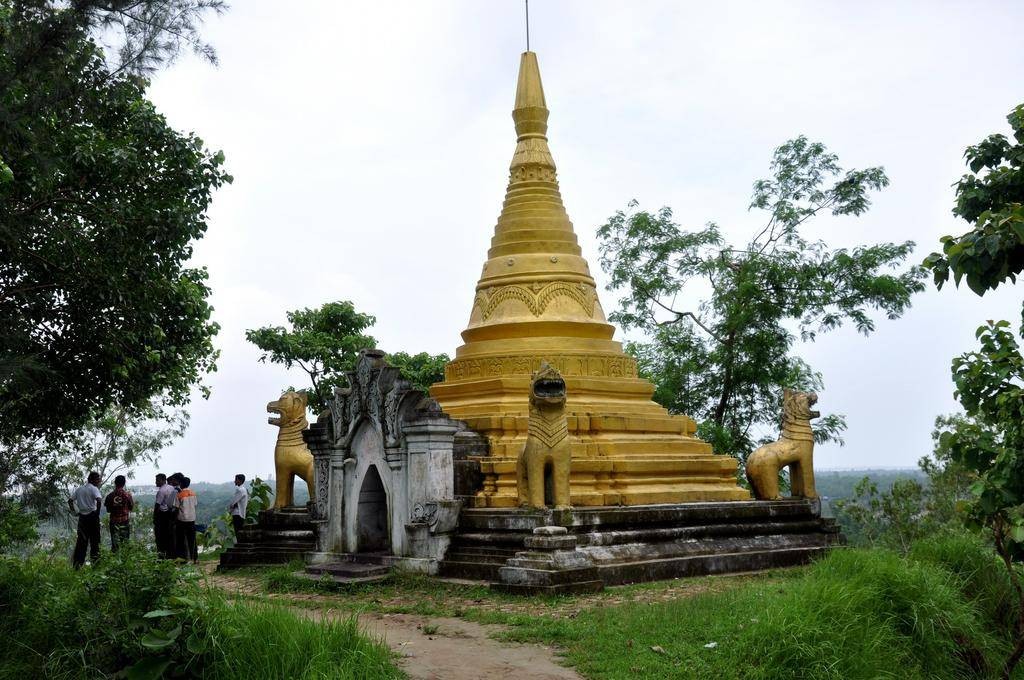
[174,516]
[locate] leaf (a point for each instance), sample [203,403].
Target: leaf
[1017,533]
[148,669]
[157,639]
[157,613]
[195,645]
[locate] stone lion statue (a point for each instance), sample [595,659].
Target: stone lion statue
[547,443]
[292,457]
[795,448]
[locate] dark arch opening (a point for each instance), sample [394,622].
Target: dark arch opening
[372,516]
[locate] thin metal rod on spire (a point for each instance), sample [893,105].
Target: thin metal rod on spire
[527,25]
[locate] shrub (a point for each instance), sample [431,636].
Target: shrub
[133,613]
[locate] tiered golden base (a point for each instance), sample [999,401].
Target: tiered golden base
[640,455]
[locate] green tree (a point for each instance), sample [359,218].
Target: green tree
[949,482]
[116,441]
[724,359]
[892,518]
[325,343]
[422,370]
[990,380]
[991,198]
[101,203]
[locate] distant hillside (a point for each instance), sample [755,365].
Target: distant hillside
[835,484]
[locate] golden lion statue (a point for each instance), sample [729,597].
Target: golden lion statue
[291,455]
[795,448]
[547,444]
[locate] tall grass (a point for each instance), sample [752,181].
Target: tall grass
[270,642]
[854,614]
[58,623]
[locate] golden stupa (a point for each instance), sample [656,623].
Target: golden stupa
[536,301]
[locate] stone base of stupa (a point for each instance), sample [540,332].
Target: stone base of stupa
[619,545]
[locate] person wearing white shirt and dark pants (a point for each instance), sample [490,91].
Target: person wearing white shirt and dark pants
[238,504]
[163,516]
[86,502]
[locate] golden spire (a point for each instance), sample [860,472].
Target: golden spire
[536,301]
[534,256]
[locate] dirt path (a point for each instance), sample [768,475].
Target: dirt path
[454,649]
[432,643]
[428,647]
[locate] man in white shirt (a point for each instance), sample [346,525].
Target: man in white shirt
[85,502]
[163,517]
[239,502]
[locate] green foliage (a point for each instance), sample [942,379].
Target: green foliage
[422,370]
[217,533]
[116,441]
[101,204]
[726,359]
[17,525]
[910,508]
[991,197]
[989,444]
[260,494]
[69,624]
[892,518]
[136,616]
[949,482]
[325,343]
[854,614]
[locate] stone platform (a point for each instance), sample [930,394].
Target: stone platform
[526,551]
[279,537]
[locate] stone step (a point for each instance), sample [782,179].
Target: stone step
[703,565]
[475,571]
[484,549]
[680,514]
[459,556]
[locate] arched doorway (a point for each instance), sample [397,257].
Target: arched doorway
[372,515]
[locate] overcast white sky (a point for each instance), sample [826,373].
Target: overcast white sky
[370,145]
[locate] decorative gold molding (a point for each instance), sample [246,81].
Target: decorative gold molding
[519,364]
[536,297]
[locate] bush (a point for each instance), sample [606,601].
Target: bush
[133,612]
[977,571]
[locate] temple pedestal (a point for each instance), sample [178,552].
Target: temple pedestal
[640,543]
[279,537]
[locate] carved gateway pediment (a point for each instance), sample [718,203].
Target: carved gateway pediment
[376,394]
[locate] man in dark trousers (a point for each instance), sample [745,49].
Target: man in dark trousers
[239,503]
[163,517]
[119,504]
[85,502]
[185,536]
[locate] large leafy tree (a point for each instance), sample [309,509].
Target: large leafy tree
[101,203]
[990,380]
[718,317]
[325,343]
